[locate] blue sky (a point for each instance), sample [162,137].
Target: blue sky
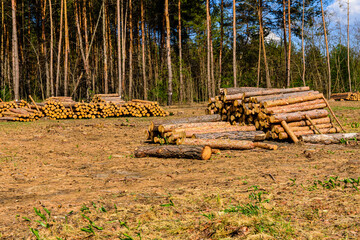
[339,10]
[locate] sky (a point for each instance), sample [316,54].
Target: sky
[339,10]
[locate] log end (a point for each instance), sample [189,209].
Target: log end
[206,153]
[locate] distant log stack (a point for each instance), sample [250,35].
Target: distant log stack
[108,98]
[301,108]
[348,96]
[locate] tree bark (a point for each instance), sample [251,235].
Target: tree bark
[221,42]
[330,138]
[298,116]
[67,51]
[297,107]
[302,43]
[168,51]
[225,144]
[124,30]
[15,53]
[327,49]
[57,84]
[348,43]
[170,127]
[191,152]
[291,100]
[234,44]
[209,87]
[289,52]
[51,50]
[237,135]
[180,56]
[143,50]
[268,81]
[289,132]
[285,39]
[130,51]
[106,79]
[119,46]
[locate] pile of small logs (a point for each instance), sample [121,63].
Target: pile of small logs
[108,98]
[21,115]
[280,113]
[348,96]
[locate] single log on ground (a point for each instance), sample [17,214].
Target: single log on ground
[292,100]
[289,132]
[204,118]
[170,127]
[225,144]
[238,135]
[297,116]
[330,138]
[297,107]
[174,151]
[266,146]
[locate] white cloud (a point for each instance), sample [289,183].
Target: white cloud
[338,10]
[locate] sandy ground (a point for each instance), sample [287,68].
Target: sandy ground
[64,165]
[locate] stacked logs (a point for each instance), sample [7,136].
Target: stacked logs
[18,111]
[300,109]
[348,96]
[206,130]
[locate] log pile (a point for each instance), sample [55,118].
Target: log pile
[21,115]
[206,130]
[348,96]
[301,109]
[108,98]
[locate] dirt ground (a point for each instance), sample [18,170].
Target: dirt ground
[82,178]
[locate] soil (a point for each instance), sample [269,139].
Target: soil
[64,166]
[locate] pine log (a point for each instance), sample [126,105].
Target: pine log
[333,114]
[276,91]
[330,138]
[297,116]
[238,135]
[281,96]
[266,146]
[191,132]
[289,132]
[225,144]
[307,123]
[313,124]
[278,129]
[232,91]
[204,118]
[287,107]
[284,135]
[291,100]
[173,151]
[294,108]
[170,127]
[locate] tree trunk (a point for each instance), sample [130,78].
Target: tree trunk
[168,51]
[106,79]
[119,45]
[302,44]
[259,62]
[2,52]
[234,44]
[67,51]
[208,49]
[285,40]
[327,49]
[225,144]
[348,43]
[180,57]
[289,52]
[191,152]
[124,26]
[143,50]
[51,50]
[247,135]
[268,81]
[15,53]
[298,116]
[221,42]
[330,138]
[44,48]
[130,51]
[57,84]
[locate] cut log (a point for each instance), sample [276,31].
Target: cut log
[282,96]
[173,151]
[313,124]
[278,129]
[291,100]
[170,127]
[198,119]
[225,144]
[330,138]
[238,135]
[289,132]
[307,123]
[232,91]
[297,116]
[266,146]
[297,107]
[284,135]
[191,132]
[333,114]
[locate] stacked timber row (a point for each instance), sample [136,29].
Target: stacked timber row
[348,96]
[206,130]
[18,111]
[302,110]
